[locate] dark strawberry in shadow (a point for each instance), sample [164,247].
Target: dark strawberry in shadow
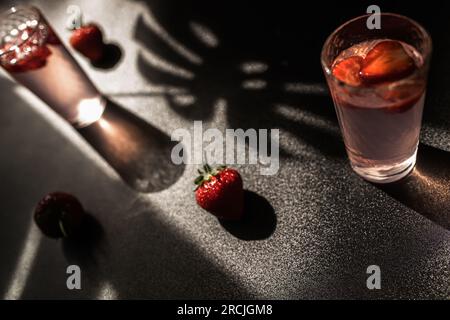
[59,215]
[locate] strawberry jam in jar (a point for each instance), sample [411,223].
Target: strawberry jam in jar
[377,79]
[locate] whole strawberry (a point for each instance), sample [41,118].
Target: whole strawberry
[220,192]
[88,40]
[59,214]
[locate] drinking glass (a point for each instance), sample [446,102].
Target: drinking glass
[380,123]
[34,56]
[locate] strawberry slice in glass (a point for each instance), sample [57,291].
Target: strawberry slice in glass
[387,61]
[32,59]
[347,70]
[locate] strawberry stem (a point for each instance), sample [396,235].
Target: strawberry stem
[207,174]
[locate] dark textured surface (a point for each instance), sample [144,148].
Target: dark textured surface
[320,226]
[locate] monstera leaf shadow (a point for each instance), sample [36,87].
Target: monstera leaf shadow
[199,58]
[268,76]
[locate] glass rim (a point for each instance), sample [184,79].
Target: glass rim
[428,48]
[13,10]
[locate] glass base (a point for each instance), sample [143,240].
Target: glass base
[386,174]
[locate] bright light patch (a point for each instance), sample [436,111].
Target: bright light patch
[32,23]
[104,124]
[204,34]
[184,100]
[306,88]
[255,84]
[24,264]
[89,111]
[24,36]
[252,67]
[107,292]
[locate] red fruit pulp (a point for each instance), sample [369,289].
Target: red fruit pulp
[386,61]
[347,70]
[30,55]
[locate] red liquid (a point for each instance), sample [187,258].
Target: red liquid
[380,122]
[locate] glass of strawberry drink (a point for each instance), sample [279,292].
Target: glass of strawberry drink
[377,79]
[35,57]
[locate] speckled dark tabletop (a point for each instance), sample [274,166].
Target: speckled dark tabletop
[314,227]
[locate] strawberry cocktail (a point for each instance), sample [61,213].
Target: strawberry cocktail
[377,79]
[33,55]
